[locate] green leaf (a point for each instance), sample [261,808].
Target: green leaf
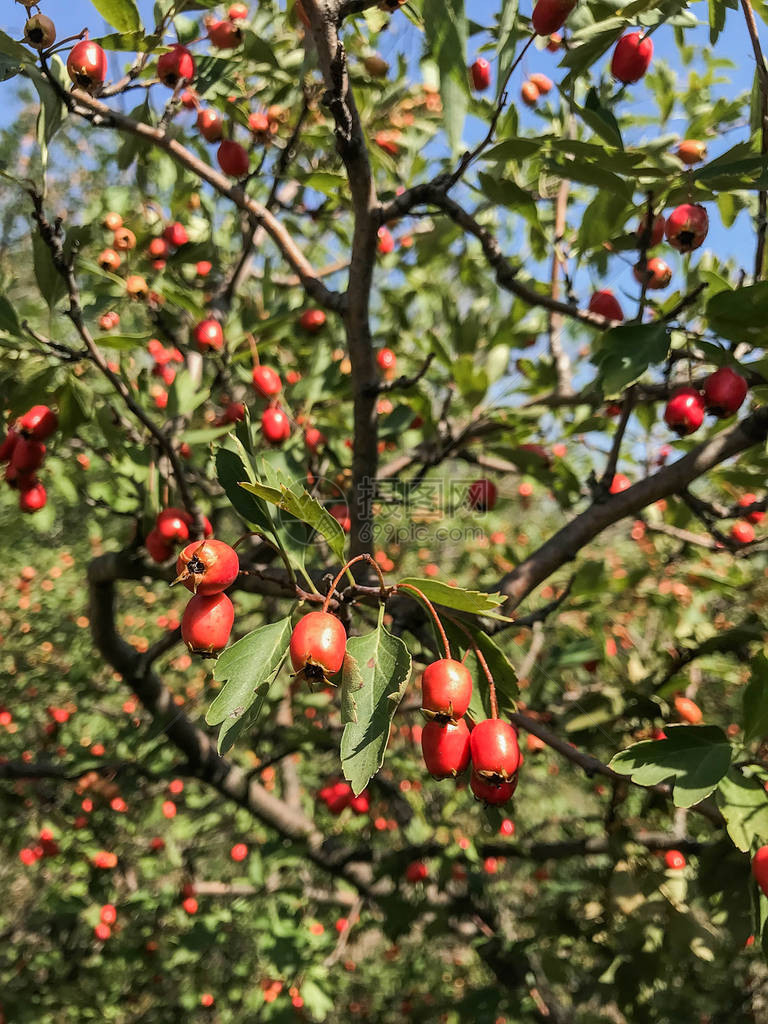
[744,805]
[601,120]
[48,279]
[9,322]
[454,597]
[693,757]
[626,352]
[10,48]
[446,30]
[120,14]
[9,67]
[755,700]
[600,219]
[232,470]
[740,315]
[351,682]
[384,665]
[122,342]
[306,508]
[247,668]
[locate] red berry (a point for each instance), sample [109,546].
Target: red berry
[159,549]
[361,804]
[210,125]
[749,499]
[239,852]
[237,12]
[176,235]
[482,495]
[207,567]
[656,273]
[341,514]
[481,74]
[158,248]
[674,860]
[687,227]
[631,57]
[275,425]
[178,63]
[33,498]
[691,151]
[549,15]
[207,623]
[494,750]
[224,35]
[266,381]
[87,65]
[108,914]
[386,359]
[742,533]
[688,710]
[606,304]
[386,243]
[542,83]
[445,747]
[233,159]
[685,411]
[317,647]
[490,791]
[38,423]
[206,999]
[172,526]
[416,871]
[620,483]
[258,122]
[657,230]
[6,448]
[209,335]
[760,868]
[312,320]
[507,827]
[203,268]
[724,391]
[529,94]
[27,455]
[190,905]
[102,932]
[446,689]
[313,438]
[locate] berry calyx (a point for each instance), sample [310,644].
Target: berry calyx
[233,158]
[631,57]
[482,495]
[687,227]
[481,74]
[275,425]
[742,533]
[445,747]
[209,335]
[674,860]
[760,868]
[685,411]
[266,381]
[606,304]
[207,622]
[490,792]
[317,647]
[178,63]
[655,274]
[494,750]
[207,567]
[312,320]
[446,689]
[724,392]
[87,65]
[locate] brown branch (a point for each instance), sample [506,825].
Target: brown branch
[559,356]
[762,78]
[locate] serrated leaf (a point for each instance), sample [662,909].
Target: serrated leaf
[247,669]
[744,805]
[626,352]
[305,508]
[384,664]
[740,315]
[231,470]
[694,758]
[120,14]
[454,597]
[351,682]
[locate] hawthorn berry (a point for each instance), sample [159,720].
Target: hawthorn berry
[210,125]
[39,423]
[176,235]
[674,860]
[482,495]
[108,914]
[446,689]
[87,65]
[224,35]
[688,710]
[619,483]
[386,243]
[275,425]
[550,15]
[317,647]
[237,12]
[417,871]
[27,455]
[684,412]
[266,381]
[757,515]
[190,905]
[481,74]
[657,230]
[258,122]
[207,623]
[445,748]
[529,93]
[209,335]
[760,868]
[656,274]
[158,248]
[178,63]
[109,260]
[606,304]
[102,932]
[124,240]
[494,750]
[387,360]
[159,549]
[542,83]
[207,567]
[724,392]
[313,438]
[39,32]
[492,792]
[238,852]
[171,524]
[233,158]
[687,227]
[691,151]
[312,320]
[742,533]
[631,57]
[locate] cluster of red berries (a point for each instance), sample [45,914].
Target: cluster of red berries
[275,422]
[339,795]
[24,452]
[722,394]
[207,568]
[46,846]
[171,528]
[107,917]
[164,358]
[160,248]
[447,744]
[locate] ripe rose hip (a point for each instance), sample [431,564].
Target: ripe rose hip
[87,65]
[207,623]
[481,74]
[494,750]
[445,747]
[317,647]
[631,57]
[724,392]
[550,15]
[210,125]
[691,151]
[209,335]
[39,423]
[178,63]
[266,381]
[275,425]
[312,320]
[39,32]
[742,533]
[657,230]
[207,567]
[176,235]
[688,710]
[674,860]
[606,304]
[685,411]
[687,227]
[757,516]
[656,274]
[490,792]
[233,159]
[446,689]
[482,495]
[760,868]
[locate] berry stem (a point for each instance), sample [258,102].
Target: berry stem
[431,608]
[365,557]
[483,665]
